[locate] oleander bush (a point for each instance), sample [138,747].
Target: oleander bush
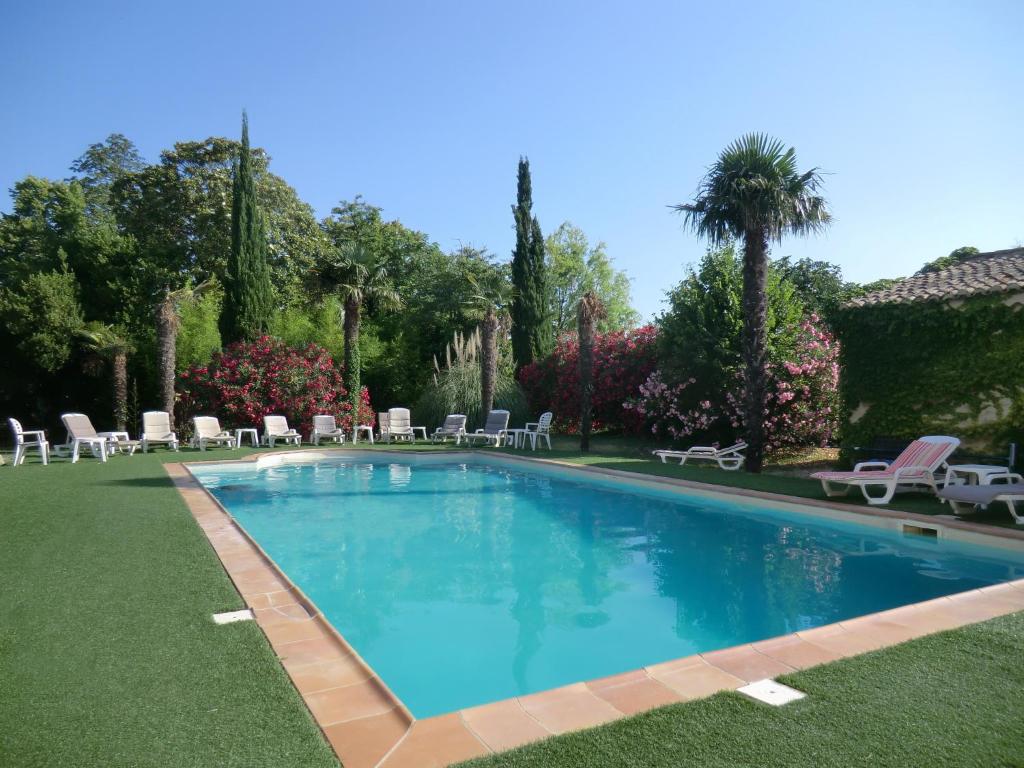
[250,380]
[623,361]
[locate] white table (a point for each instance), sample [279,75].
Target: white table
[253,434]
[973,474]
[362,428]
[117,441]
[517,435]
[421,430]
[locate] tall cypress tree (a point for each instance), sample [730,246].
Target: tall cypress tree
[249,292]
[531,332]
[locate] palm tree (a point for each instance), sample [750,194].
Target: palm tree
[754,192]
[112,344]
[167,323]
[588,315]
[356,275]
[491,297]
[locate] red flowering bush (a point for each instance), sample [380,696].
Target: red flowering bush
[622,362]
[248,381]
[802,399]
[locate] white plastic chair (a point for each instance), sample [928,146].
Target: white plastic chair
[24,439]
[276,428]
[156,430]
[326,428]
[539,429]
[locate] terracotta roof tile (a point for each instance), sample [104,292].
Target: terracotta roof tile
[985,274]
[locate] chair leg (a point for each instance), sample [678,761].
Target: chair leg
[44,449]
[19,455]
[74,452]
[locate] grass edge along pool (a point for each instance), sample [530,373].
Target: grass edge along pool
[465,579]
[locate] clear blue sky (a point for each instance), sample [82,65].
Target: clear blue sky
[916,110]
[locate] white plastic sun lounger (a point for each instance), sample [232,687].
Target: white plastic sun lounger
[325,427]
[276,428]
[916,466]
[156,430]
[208,431]
[494,432]
[399,425]
[82,432]
[454,426]
[966,498]
[730,458]
[24,439]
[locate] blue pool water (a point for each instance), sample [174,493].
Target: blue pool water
[463,583]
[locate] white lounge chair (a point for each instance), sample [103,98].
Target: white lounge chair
[207,431]
[400,426]
[916,466]
[326,428]
[541,428]
[156,430]
[25,439]
[1008,488]
[730,458]
[494,431]
[276,428]
[454,426]
[82,432]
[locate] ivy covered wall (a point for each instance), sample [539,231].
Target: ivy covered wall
[940,367]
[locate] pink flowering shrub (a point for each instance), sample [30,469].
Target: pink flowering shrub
[623,360]
[802,405]
[248,381]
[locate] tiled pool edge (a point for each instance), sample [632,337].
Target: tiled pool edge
[368,726]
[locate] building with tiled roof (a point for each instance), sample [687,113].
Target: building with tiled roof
[982,275]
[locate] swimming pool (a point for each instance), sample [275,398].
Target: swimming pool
[468,580]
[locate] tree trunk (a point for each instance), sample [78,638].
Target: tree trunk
[166,342]
[755,344]
[352,361]
[488,362]
[119,364]
[585,321]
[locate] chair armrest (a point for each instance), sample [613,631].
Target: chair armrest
[861,466]
[40,432]
[1009,477]
[701,449]
[921,470]
[532,424]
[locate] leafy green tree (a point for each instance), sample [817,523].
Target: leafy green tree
[199,329]
[531,330]
[756,193]
[573,269]
[956,256]
[113,345]
[356,275]
[701,332]
[819,285]
[168,323]
[249,294]
[43,313]
[100,166]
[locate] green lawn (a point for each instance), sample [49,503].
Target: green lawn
[952,699]
[108,656]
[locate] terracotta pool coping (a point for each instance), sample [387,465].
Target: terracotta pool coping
[368,726]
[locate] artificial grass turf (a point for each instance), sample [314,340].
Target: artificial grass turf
[108,654]
[952,699]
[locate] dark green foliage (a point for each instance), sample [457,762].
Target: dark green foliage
[248,291]
[532,336]
[931,368]
[942,701]
[819,284]
[701,332]
[955,256]
[43,314]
